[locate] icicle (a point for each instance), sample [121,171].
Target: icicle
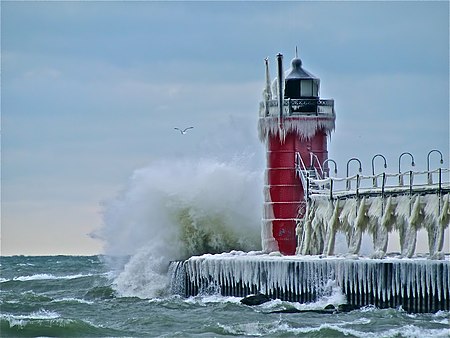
[423,280]
[446,286]
[418,281]
[361,271]
[441,224]
[395,279]
[409,218]
[305,126]
[358,228]
[439,286]
[408,272]
[380,289]
[431,271]
[321,216]
[383,219]
[332,227]
[305,235]
[364,277]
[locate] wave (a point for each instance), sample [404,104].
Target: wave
[100,292]
[174,210]
[41,314]
[45,276]
[72,300]
[283,328]
[14,326]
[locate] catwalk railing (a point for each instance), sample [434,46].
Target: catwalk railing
[384,184]
[378,204]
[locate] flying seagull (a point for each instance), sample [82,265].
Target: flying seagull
[184,131]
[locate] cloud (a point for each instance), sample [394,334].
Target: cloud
[92,90]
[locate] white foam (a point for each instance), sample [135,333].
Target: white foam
[44,276]
[72,300]
[41,315]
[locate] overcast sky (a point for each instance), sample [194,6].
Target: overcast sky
[91,91]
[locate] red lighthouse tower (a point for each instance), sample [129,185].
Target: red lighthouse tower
[293,123]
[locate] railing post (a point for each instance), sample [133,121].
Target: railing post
[440,190]
[410,181]
[331,189]
[357,185]
[430,178]
[307,186]
[440,181]
[383,182]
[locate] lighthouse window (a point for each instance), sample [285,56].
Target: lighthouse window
[315,89]
[306,88]
[292,90]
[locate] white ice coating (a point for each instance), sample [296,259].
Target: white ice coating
[377,215]
[305,126]
[268,242]
[384,278]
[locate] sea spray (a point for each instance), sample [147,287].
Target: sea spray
[144,275]
[175,209]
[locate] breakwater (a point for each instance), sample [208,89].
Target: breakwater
[417,285]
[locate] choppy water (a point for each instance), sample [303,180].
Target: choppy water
[77,296]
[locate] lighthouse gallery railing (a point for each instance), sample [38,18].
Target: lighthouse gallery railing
[298,106]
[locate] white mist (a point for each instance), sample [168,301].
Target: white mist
[174,209]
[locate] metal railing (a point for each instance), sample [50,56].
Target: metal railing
[316,184]
[298,107]
[408,182]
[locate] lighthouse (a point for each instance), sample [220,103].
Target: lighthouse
[294,124]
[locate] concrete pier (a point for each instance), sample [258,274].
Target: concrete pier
[417,285]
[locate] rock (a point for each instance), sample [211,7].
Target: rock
[347,307]
[257,299]
[293,310]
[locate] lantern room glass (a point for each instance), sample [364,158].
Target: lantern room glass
[306,88]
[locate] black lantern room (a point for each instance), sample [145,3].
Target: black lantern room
[300,84]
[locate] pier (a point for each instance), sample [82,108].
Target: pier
[415,285]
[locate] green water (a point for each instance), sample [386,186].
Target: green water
[68,296]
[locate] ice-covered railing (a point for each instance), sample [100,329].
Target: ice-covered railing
[306,173]
[377,204]
[434,181]
[302,116]
[297,107]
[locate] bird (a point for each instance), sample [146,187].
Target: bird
[183,131]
